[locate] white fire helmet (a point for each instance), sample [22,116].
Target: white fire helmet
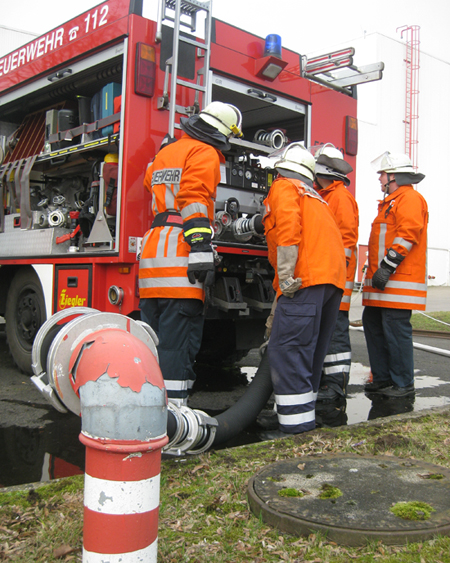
[392,163]
[224,117]
[296,158]
[327,150]
[330,163]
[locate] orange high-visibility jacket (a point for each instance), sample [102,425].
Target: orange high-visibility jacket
[182,178]
[401,224]
[345,210]
[297,215]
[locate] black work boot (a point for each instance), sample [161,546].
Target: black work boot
[377,386]
[328,394]
[396,391]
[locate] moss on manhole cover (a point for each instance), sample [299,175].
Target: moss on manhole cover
[351,498]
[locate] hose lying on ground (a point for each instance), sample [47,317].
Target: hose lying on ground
[243,412]
[247,408]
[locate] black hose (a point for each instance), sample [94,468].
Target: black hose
[244,411]
[247,408]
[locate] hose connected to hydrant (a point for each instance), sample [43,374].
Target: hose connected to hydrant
[190,431]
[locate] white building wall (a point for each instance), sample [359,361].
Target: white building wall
[381,114]
[11,39]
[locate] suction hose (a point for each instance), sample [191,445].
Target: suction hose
[247,408]
[193,431]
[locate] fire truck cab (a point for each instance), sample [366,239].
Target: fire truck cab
[84,109]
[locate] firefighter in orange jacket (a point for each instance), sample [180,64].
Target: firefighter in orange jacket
[331,180]
[306,250]
[177,259]
[396,281]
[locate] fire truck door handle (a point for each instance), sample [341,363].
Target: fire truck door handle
[260,94]
[60,74]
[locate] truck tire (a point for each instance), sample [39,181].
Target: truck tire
[24,315]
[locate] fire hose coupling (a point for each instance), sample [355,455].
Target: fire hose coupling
[243,227]
[195,431]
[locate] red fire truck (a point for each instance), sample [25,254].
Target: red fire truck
[83,110]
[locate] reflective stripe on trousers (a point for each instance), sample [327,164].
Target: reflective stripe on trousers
[301,333]
[178,324]
[337,363]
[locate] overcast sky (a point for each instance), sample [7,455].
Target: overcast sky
[305,27]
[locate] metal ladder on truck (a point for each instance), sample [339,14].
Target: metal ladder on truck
[174,10]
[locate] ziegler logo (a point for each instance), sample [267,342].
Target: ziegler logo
[66,301]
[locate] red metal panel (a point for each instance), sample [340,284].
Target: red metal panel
[90,30]
[72,287]
[330,109]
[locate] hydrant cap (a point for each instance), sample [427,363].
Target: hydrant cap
[119,354]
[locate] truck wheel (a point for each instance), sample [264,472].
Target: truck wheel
[24,315]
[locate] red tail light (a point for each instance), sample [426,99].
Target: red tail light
[144,80]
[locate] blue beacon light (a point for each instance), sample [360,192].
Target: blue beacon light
[273,46]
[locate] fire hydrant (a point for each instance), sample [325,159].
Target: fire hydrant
[106,366]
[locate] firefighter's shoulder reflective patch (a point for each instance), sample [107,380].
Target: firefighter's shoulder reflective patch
[166,176]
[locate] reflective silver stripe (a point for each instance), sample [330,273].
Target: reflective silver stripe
[173,241]
[201,257]
[194,208]
[160,249]
[337,368]
[403,242]
[395,298]
[382,242]
[345,299]
[165,262]
[338,357]
[178,385]
[145,239]
[170,197]
[349,285]
[390,263]
[348,252]
[294,419]
[169,282]
[394,284]
[290,400]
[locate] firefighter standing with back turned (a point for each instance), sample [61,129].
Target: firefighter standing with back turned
[331,180]
[306,251]
[396,281]
[177,259]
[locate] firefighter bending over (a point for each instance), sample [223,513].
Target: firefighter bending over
[331,180]
[306,251]
[396,281]
[177,259]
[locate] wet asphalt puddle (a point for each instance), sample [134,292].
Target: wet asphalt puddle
[53,450]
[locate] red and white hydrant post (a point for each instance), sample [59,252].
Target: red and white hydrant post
[124,421]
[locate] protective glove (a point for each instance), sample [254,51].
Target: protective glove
[287,257]
[387,267]
[197,233]
[380,278]
[269,320]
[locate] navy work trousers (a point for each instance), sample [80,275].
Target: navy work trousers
[178,324]
[300,337]
[337,363]
[389,341]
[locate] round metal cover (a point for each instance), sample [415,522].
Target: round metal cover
[370,486]
[67,340]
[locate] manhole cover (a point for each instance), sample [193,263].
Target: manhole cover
[369,486]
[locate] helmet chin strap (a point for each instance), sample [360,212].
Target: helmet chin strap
[386,186]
